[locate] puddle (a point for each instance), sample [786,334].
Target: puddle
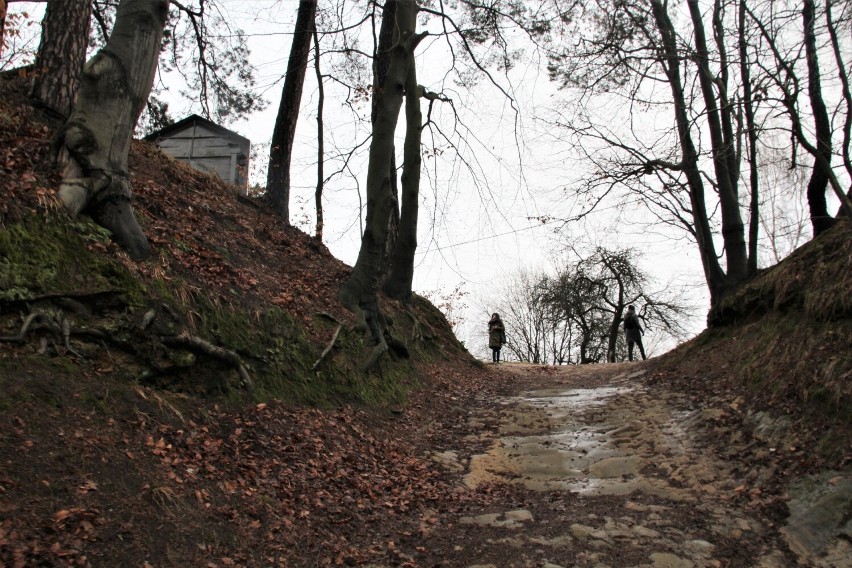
[559,439]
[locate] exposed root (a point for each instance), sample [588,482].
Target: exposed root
[66,337]
[22,335]
[328,348]
[198,345]
[328,316]
[374,357]
[57,330]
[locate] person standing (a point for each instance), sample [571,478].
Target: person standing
[496,336]
[633,333]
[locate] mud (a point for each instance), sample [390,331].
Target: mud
[617,474]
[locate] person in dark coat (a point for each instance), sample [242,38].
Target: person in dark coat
[496,336]
[633,332]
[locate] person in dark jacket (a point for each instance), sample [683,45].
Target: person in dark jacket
[633,332]
[496,336]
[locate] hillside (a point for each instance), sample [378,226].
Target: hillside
[180,411]
[122,443]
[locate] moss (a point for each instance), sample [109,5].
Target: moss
[42,255]
[53,255]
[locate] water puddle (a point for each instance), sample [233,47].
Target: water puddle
[561,439]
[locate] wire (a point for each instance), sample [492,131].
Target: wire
[445,247]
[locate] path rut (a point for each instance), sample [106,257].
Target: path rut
[608,472]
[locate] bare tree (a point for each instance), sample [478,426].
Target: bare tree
[594,293]
[724,92]
[359,291]
[782,71]
[820,218]
[281,150]
[320,225]
[532,335]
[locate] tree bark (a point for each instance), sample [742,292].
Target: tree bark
[399,282]
[94,142]
[751,137]
[61,54]
[713,273]
[2,24]
[821,220]
[846,143]
[358,293]
[284,133]
[389,35]
[320,139]
[733,231]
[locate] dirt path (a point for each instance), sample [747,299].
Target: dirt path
[602,470]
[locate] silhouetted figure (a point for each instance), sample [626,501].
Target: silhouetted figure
[496,336]
[633,333]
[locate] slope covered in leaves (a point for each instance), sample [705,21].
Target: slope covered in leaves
[121,448]
[780,344]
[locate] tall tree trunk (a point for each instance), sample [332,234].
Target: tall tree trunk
[399,282]
[847,95]
[358,293]
[284,133]
[751,137]
[733,231]
[320,139]
[61,54]
[713,273]
[94,142]
[821,220]
[388,38]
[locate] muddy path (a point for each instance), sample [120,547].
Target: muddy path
[593,466]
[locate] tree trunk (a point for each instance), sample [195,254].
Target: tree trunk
[2,25]
[713,272]
[358,293]
[94,142]
[751,136]
[320,139]
[281,150]
[398,284]
[733,232]
[388,38]
[846,143]
[61,54]
[821,220]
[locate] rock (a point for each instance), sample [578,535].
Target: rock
[510,519]
[819,515]
[645,532]
[668,560]
[700,547]
[519,516]
[616,467]
[449,460]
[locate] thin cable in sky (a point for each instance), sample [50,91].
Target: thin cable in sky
[445,247]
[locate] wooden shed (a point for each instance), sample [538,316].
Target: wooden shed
[207,147]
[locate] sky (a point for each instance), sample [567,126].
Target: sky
[481,215]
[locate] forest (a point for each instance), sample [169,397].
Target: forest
[748,152]
[193,376]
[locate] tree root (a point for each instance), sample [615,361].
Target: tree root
[375,354]
[21,337]
[198,345]
[56,324]
[328,348]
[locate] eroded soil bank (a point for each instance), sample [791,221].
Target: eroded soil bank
[607,469]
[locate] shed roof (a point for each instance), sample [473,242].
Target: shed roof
[188,121]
